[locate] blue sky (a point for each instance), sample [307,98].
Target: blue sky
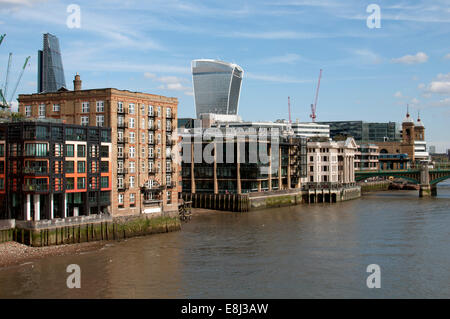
[368,74]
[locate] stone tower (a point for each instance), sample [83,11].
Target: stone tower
[419,130]
[408,132]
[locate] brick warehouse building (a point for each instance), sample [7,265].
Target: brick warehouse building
[52,170]
[142,126]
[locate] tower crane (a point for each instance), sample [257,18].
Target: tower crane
[3,94]
[314,106]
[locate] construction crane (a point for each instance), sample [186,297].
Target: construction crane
[3,93]
[20,77]
[289,109]
[5,87]
[314,106]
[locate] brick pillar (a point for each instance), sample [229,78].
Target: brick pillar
[216,183]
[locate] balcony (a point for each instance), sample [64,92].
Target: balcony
[35,170]
[152,142]
[172,185]
[152,202]
[122,187]
[122,171]
[151,114]
[122,125]
[169,128]
[151,156]
[122,140]
[35,188]
[152,171]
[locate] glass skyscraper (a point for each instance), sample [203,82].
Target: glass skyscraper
[50,68]
[217,86]
[364,131]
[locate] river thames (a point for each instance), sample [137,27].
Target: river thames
[305,251]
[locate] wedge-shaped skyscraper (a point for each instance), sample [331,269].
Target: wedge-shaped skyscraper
[217,86]
[50,68]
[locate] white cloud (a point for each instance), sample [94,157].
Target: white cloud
[441,103]
[439,87]
[274,78]
[420,57]
[368,56]
[447,56]
[398,94]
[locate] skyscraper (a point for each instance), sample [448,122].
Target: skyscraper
[50,69]
[217,86]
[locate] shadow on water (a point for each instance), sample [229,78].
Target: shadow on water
[305,251]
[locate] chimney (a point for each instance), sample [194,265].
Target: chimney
[77,83]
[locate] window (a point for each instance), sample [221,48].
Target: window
[131,181]
[132,198]
[69,167]
[70,183]
[150,110]
[2,183]
[104,167]
[85,107]
[104,151]
[131,108]
[81,150]
[81,182]
[2,150]
[81,167]
[142,167]
[100,106]
[28,110]
[168,166]
[150,152]
[41,111]
[142,137]
[159,111]
[120,199]
[142,152]
[120,121]
[150,166]
[100,120]
[104,182]
[131,152]
[150,124]
[168,180]
[169,197]
[131,166]
[69,150]
[169,112]
[132,137]
[119,107]
[38,149]
[311,168]
[168,125]
[119,182]
[158,139]
[85,120]
[120,151]
[159,125]
[56,108]
[150,138]
[142,109]
[143,123]
[131,122]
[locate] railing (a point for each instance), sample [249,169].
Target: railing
[327,185]
[122,125]
[152,201]
[122,171]
[35,188]
[122,140]
[40,170]
[122,187]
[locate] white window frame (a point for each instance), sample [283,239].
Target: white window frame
[132,137]
[100,119]
[131,151]
[120,199]
[85,107]
[131,108]
[56,108]
[131,167]
[28,110]
[84,120]
[131,181]
[100,106]
[119,107]
[41,111]
[131,122]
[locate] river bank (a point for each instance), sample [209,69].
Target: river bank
[13,253]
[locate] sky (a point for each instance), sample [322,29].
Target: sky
[369,74]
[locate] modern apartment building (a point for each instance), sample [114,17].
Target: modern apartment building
[217,86]
[332,161]
[50,68]
[143,135]
[367,157]
[231,169]
[53,170]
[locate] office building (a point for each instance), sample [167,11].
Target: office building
[367,157]
[364,132]
[217,87]
[53,170]
[50,68]
[143,137]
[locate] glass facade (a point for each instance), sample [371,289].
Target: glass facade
[217,86]
[365,132]
[50,68]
